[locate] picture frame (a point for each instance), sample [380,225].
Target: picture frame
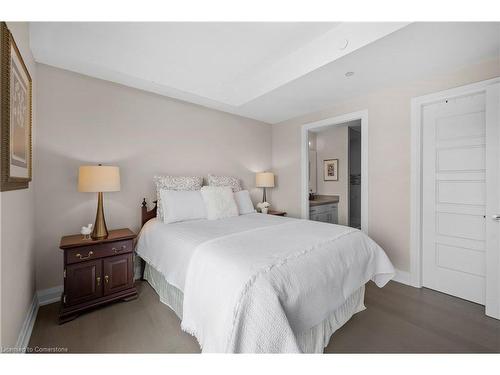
[16,99]
[331,170]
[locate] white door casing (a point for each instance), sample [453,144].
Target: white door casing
[338,120]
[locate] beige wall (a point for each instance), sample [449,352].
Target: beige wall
[332,143]
[389,154]
[84,120]
[17,230]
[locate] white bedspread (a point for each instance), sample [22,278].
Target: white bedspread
[169,247]
[253,282]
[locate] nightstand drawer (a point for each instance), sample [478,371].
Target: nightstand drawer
[84,253]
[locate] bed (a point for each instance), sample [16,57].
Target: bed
[260,283]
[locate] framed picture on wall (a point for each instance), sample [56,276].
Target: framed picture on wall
[331,169]
[15,115]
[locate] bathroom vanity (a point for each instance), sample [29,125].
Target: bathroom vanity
[324,208]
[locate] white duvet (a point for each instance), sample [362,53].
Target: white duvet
[252,283]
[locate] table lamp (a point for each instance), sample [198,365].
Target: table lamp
[264,180]
[99,179]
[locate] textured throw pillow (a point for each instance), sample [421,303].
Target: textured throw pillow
[174,183]
[181,205]
[244,202]
[232,182]
[219,202]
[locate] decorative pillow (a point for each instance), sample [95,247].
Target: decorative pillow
[174,183]
[219,202]
[232,182]
[181,205]
[244,203]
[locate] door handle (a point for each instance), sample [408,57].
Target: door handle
[496,217]
[106,279]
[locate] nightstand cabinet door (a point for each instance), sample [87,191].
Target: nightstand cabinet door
[83,282]
[118,273]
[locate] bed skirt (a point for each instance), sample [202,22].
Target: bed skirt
[169,294]
[311,341]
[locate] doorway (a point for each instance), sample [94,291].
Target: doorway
[455,193]
[323,171]
[335,174]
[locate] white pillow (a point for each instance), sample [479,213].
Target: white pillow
[174,183]
[181,205]
[219,202]
[244,203]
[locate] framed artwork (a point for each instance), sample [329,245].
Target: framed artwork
[15,115]
[331,170]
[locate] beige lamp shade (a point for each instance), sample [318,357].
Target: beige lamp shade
[98,178]
[264,179]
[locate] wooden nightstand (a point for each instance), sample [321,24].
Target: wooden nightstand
[276,213]
[96,272]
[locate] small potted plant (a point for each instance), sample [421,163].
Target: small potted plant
[263,206]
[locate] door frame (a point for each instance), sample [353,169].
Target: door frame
[417,103]
[335,121]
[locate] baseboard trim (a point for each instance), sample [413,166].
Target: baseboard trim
[50,295]
[40,298]
[25,334]
[402,277]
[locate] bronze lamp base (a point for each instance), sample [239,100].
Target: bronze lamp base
[100,231]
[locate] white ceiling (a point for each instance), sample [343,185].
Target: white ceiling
[267,71]
[416,52]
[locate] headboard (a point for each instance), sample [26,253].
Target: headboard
[145,214]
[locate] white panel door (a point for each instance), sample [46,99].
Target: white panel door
[454,196]
[493,206]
